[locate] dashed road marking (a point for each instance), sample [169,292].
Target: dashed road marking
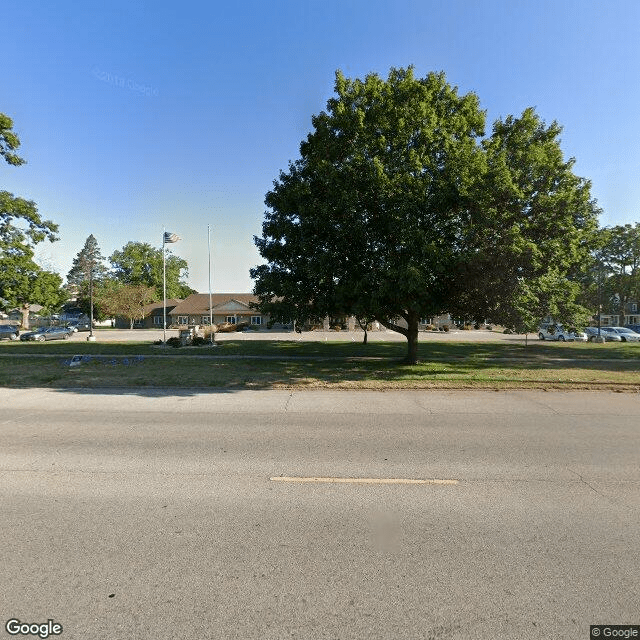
[366,480]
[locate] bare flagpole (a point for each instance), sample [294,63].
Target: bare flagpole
[166,238]
[210,307]
[164,290]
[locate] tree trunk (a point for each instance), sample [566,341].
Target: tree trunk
[364,341]
[25,315]
[412,338]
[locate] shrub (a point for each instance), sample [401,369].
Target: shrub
[174,342]
[489,327]
[445,327]
[199,341]
[467,327]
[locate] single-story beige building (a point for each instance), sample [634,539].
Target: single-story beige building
[227,307]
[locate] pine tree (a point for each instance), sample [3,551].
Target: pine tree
[88,261]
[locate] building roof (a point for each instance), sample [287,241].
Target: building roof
[156,307]
[198,303]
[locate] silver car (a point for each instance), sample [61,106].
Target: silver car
[557,332]
[606,332]
[626,335]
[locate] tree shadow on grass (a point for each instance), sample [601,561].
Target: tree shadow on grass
[338,365]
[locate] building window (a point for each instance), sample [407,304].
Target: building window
[634,308]
[205,320]
[157,320]
[257,320]
[230,319]
[183,320]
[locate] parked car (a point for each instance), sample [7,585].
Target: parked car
[633,327]
[627,335]
[10,331]
[47,333]
[557,332]
[79,325]
[606,332]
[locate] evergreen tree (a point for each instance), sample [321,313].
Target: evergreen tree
[88,261]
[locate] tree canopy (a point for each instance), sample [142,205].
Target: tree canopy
[9,141]
[139,263]
[615,280]
[399,209]
[22,281]
[115,298]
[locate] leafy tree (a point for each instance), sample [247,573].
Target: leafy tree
[22,281]
[139,263]
[530,230]
[126,300]
[397,209]
[620,259]
[9,141]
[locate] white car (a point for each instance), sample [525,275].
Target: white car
[626,335]
[559,333]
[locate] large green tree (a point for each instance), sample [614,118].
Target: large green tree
[529,233]
[138,263]
[22,281]
[398,209]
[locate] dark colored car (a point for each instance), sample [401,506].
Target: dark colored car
[10,331]
[47,333]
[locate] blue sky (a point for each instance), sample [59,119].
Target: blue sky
[135,114]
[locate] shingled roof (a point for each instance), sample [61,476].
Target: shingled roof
[154,307]
[198,303]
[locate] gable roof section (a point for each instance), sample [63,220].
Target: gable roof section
[198,303]
[155,308]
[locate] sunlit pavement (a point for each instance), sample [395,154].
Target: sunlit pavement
[262,515]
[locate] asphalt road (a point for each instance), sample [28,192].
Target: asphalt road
[165,515]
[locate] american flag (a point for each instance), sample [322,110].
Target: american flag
[169,238]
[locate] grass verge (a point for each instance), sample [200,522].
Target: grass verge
[291,364]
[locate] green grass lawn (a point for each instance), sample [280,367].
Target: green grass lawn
[283,364]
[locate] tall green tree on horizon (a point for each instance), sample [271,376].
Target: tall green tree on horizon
[87,270]
[89,261]
[399,208]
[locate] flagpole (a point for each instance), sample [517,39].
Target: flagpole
[164,291]
[210,306]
